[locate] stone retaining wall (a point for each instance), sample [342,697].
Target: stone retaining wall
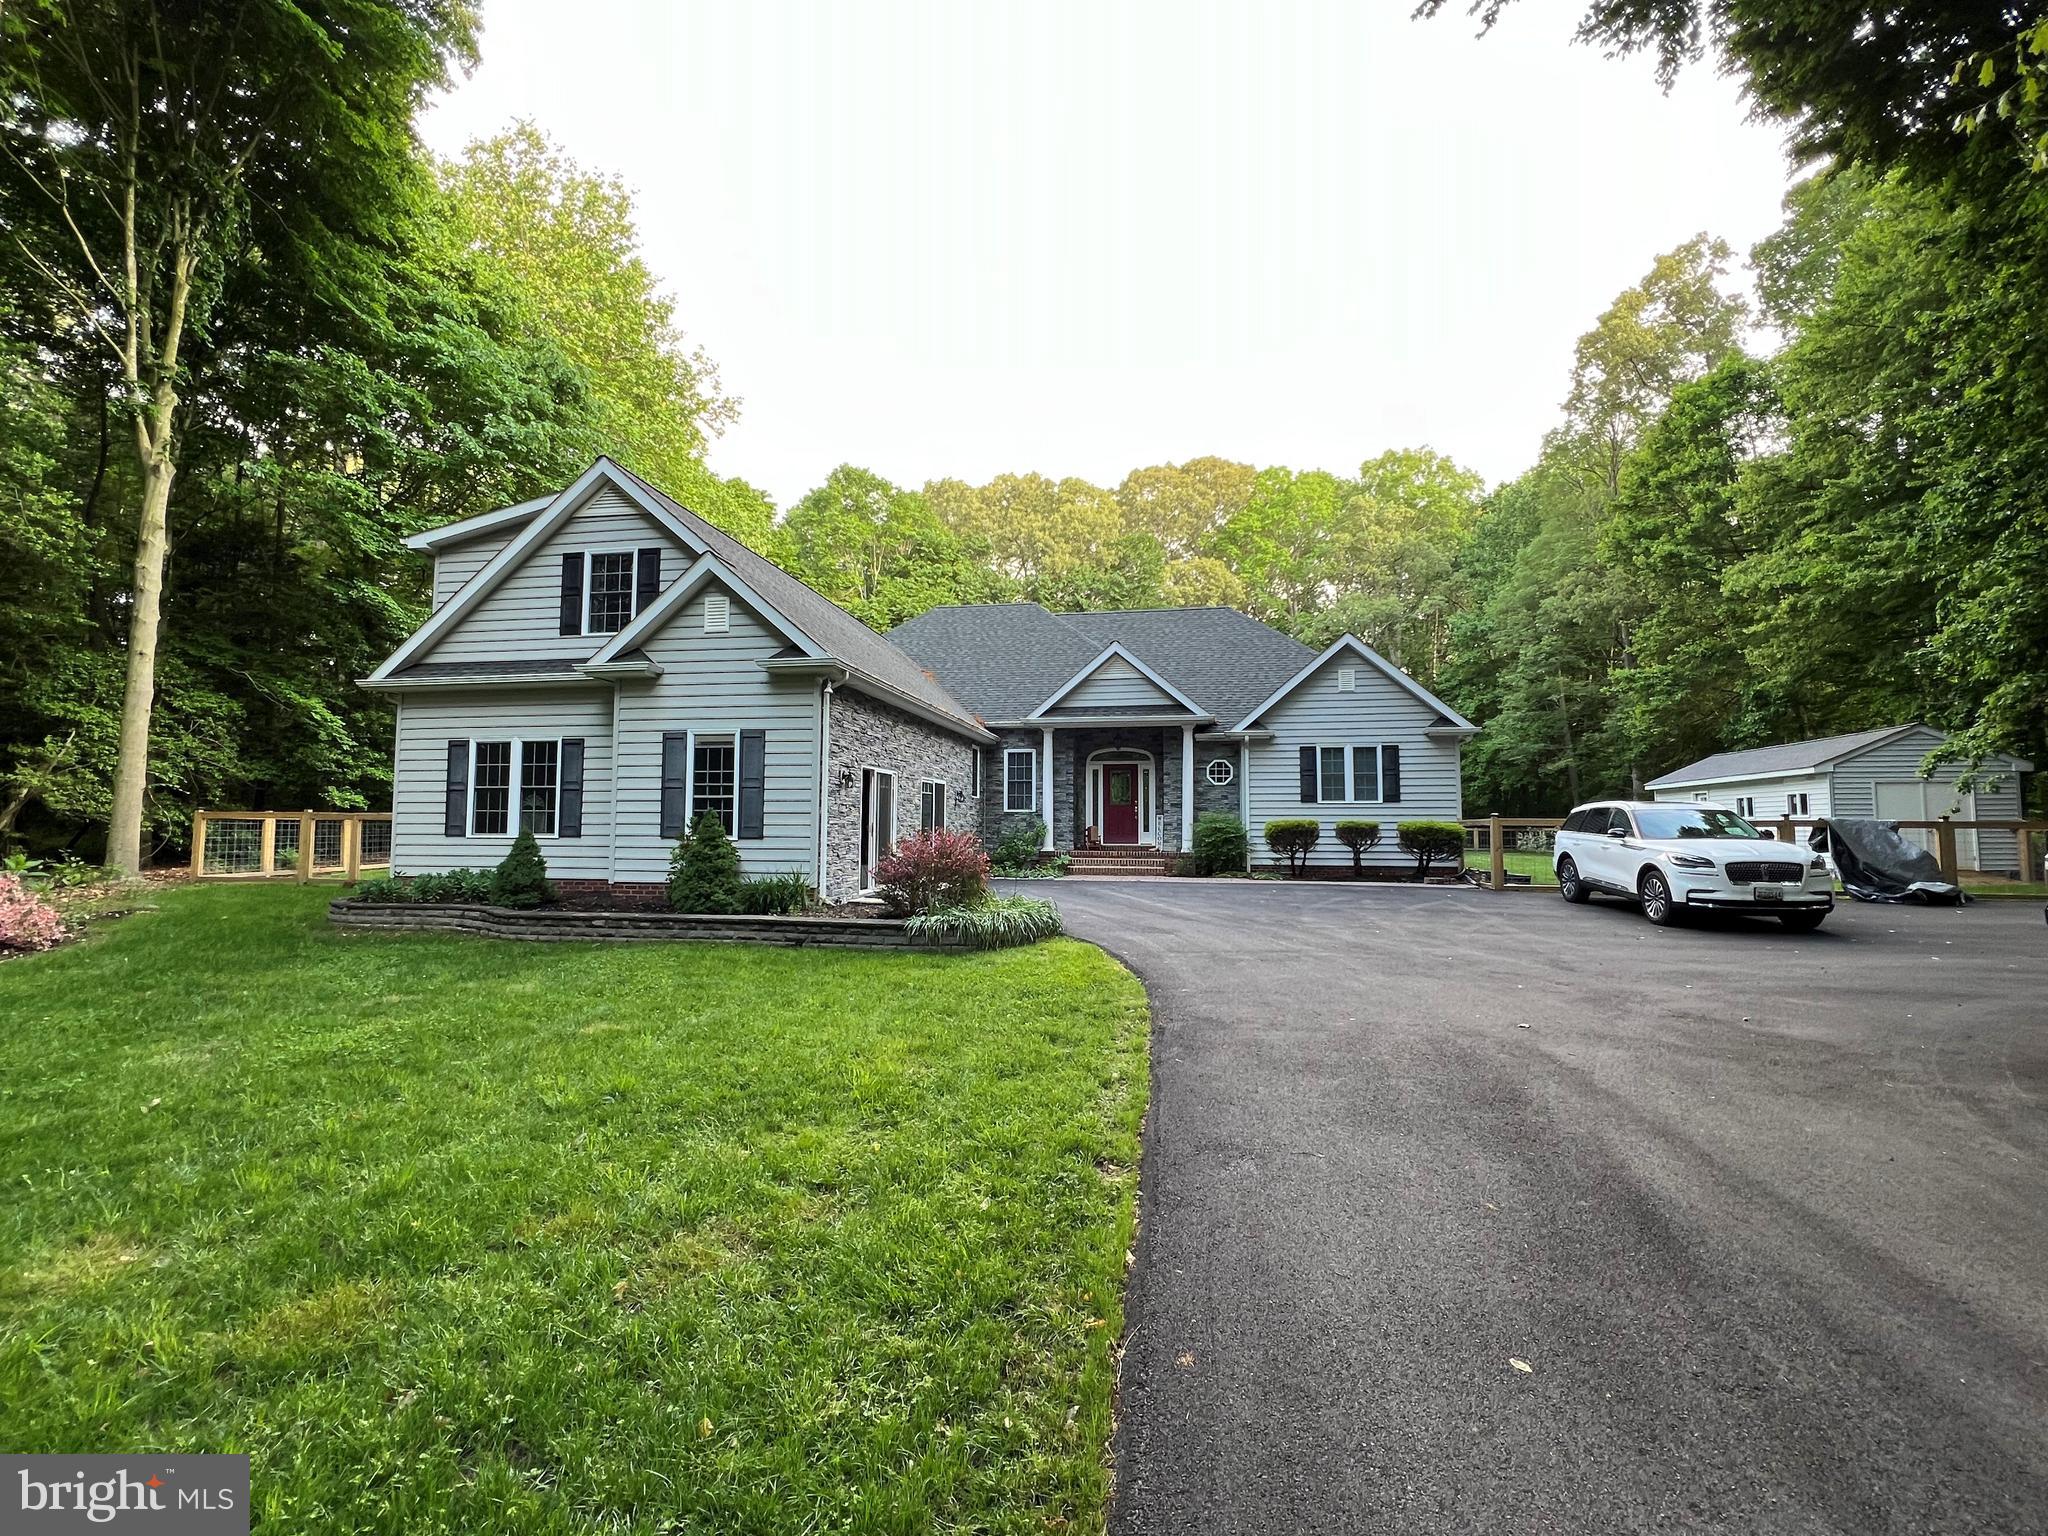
[550,925]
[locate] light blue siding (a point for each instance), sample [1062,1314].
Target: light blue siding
[1855,792]
[456,563]
[1116,684]
[1380,711]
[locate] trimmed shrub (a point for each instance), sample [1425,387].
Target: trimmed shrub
[994,923]
[1219,844]
[26,920]
[1431,842]
[1293,840]
[704,874]
[782,895]
[1017,850]
[932,870]
[1361,837]
[521,880]
[383,888]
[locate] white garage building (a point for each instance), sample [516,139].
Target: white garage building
[1869,774]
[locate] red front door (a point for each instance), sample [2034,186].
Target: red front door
[1120,803]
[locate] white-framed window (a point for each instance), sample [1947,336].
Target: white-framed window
[1020,779]
[717,613]
[1795,805]
[715,779]
[607,591]
[1745,806]
[931,805]
[522,772]
[974,774]
[1348,771]
[1220,770]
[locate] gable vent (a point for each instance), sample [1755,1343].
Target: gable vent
[717,613]
[1347,679]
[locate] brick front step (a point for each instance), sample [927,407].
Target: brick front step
[1094,863]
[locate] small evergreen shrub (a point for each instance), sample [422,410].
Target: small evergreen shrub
[1219,845]
[26,920]
[1361,837]
[782,895]
[994,923]
[932,870]
[1017,850]
[1431,842]
[706,871]
[1293,839]
[384,888]
[521,880]
[678,856]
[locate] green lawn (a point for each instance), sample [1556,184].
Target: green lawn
[458,1235]
[1535,865]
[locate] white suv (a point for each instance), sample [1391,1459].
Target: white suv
[1674,858]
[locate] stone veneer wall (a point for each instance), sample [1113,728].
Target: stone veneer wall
[867,733]
[1070,752]
[1218,797]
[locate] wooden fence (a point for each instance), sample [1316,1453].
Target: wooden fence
[289,845]
[1493,835]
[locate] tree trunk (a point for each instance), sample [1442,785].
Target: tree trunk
[131,769]
[1571,761]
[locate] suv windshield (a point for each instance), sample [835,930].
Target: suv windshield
[1661,821]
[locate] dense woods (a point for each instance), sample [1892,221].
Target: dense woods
[252,335]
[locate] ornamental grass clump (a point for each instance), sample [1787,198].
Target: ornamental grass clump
[932,870]
[996,922]
[782,895]
[27,922]
[704,873]
[1431,842]
[521,880]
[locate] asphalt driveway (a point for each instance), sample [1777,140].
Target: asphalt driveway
[1765,1216]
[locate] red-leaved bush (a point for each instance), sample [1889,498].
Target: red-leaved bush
[930,871]
[26,920]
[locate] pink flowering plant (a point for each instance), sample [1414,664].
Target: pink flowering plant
[931,871]
[26,920]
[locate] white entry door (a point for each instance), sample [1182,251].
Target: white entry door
[877,821]
[1923,800]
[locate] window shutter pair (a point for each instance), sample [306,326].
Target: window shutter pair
[753,779]
[1390,775]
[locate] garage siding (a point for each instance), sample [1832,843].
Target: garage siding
[1856,779]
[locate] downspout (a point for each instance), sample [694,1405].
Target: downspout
[824,777]
[611,836]
[1244,795]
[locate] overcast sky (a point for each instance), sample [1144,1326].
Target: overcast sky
[957,238]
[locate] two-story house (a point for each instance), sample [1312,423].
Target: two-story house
[602,666]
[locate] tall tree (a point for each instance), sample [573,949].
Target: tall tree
[161,144]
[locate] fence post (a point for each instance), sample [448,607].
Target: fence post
[198,844]
[1945,850]
[1787,833]
[351,848]
[305,846]
[266,863]
[1500,854]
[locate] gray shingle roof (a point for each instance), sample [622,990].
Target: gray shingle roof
[836,631]
[485,671]
[1006,659]
[1788,757]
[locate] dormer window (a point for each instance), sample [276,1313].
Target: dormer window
[611,594]
[602,590]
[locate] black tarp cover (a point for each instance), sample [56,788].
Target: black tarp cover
[1879,863]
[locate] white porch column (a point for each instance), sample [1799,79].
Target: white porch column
[1045,789]
[1244,797]
[1187,787]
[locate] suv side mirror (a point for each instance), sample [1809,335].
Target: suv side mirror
[1616,832]
[1767,832]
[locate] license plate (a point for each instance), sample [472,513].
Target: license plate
[1767,893]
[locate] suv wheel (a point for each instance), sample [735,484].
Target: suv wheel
[1655,895]
[1569,885]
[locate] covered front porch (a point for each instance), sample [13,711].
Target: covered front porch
[1120,787]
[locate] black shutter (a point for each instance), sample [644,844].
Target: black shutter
[1390,774]
[753,777]
[1308,776]
[675,765]
[455,818]
[572,594]
[569,814]
[646,579]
